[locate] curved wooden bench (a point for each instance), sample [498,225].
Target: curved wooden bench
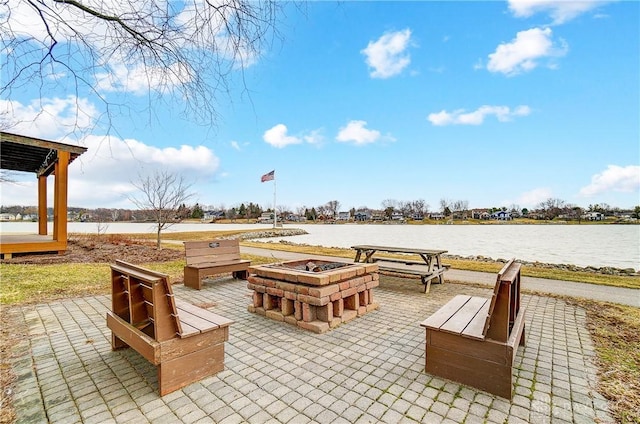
[473,340]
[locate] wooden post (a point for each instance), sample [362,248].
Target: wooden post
[42,205]
[60,198]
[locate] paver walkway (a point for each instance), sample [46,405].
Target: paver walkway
[368,370]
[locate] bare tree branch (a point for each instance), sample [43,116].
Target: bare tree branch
[181,53]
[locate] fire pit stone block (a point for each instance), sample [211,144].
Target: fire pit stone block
[323,296]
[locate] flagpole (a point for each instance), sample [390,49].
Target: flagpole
[275,214]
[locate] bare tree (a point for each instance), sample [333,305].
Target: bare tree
[445,205]
[552,207]
[419,207]
[184,51]
[333,206]
[389,203]
[282,210]
[161,194]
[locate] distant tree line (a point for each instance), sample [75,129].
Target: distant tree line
[549,209]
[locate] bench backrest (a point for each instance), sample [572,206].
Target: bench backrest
[202,252]
[144,299]
[505,303]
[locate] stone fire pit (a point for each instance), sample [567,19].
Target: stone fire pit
[313,294]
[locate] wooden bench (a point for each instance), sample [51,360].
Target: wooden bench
[473,340]
[183,341]
[213,257]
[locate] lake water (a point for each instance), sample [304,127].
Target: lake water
[583,245]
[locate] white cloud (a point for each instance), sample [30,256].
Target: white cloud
[477,117]
[277,137]
[534,197]
[48,118]
[560,11]
[314,137]
[140,79]
[614,178]
[526,51]
[356,133]
[235,145]
[103,175]
[387,55]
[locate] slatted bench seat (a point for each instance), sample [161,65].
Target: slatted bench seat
[473,340]
[183,341]
[405,266]
[205,258]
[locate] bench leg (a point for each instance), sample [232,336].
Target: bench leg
[192,278]
[117,343]
[240,275]
[427,284]
[177,373]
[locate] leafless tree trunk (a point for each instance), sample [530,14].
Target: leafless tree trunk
[181,52]
[161,194]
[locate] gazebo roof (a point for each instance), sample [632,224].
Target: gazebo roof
[29,154]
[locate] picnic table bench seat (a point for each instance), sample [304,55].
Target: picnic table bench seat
[474,340]
[412,268]
[205,258]
[183,341]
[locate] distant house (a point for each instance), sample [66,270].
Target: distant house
[480,214]
[362,216]
[593,216]
[343,216]
[436,215]
[397,216]
[266,218]
[502,216]
[295,218]
[7,217]
[417,216]
[377,216]
[212,215]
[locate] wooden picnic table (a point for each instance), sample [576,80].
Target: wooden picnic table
[429,268]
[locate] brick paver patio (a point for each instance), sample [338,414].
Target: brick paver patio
[368,370]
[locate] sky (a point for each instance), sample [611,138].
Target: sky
[498,104]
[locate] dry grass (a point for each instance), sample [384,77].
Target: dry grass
[615,330]
[9,336]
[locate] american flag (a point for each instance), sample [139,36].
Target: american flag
[268,177]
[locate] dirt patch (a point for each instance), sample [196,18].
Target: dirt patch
[102,249]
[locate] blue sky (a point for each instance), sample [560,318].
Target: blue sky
[493,103]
